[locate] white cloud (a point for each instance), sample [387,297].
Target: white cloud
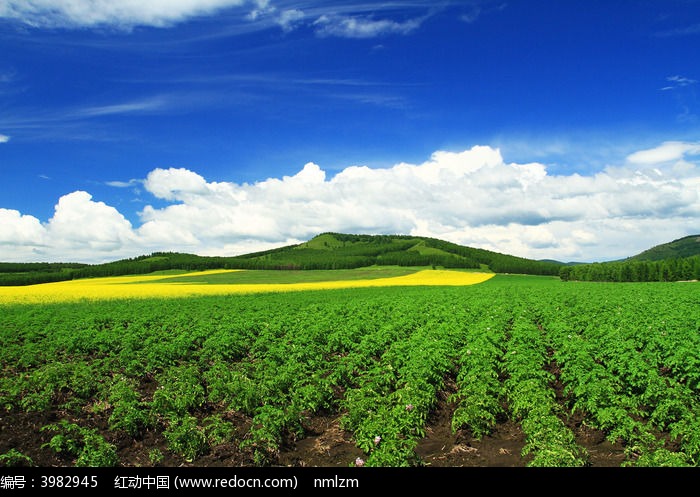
[122,184]
[678,81]
[123,108]
[472,197]
[123,13]
[681,80]
[79,223]
[262,7]
[337,19]
[175,184]
[288,19]
[4,138]
[18,230]
[666,152]
[471,16]
[362,27]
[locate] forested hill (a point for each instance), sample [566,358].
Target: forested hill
[341,251]
[325,251]
[688,246]
[678,260]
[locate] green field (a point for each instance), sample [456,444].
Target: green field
[299,276]
[259,379]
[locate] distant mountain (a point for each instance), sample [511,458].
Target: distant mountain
[687,246]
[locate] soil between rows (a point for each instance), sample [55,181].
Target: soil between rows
[325,443]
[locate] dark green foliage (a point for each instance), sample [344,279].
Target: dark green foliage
[45,267]
[185,437]
[633,270]
[623,359]
[678,260]
[90,448]
[14,458]
[128,412]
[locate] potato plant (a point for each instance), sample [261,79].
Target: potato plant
[621,358]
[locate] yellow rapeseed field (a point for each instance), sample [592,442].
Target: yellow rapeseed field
[121,287]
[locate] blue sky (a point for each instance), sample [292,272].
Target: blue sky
[566,130]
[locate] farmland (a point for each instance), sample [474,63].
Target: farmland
[181,284]
[512,371]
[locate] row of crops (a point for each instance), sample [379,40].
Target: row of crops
[624,358]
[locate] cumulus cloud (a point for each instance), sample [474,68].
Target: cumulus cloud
[471,197]
[80,222]
[20,230]
[4,138]
[175,184]
[125,13]
[78,228]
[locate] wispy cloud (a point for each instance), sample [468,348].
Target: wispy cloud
[4,138]
[359,27]
[289,19]
[474,10]
[686,116]
[123,14]
[7,77]
[691,30]
[471,13]
[682,89]
[124,184]
[670,151]
[341,18]
[365,91]
[386,100]
[678,82]
[148,105]
[261,7]
[273,79]
[78,122]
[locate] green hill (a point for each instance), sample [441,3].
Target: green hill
[687,246]
[344,251]
[679,259]
[325,251]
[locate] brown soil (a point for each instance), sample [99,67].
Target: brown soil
[325,443]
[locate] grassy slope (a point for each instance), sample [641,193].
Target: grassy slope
[683,247]
[281,276]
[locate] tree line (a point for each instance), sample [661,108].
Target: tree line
[677,269]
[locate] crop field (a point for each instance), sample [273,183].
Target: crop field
[412,368]
[225,282]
